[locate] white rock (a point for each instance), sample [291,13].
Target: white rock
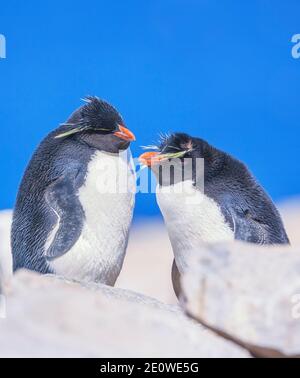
[48,317]
[248,291]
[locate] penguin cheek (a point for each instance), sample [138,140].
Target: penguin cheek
[123,145]
[113,144]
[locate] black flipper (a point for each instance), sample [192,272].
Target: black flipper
[248,231]
[252,230]
[64,204]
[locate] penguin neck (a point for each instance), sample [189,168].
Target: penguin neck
[192,218]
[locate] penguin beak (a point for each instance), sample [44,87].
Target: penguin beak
[149,158]
[125,134]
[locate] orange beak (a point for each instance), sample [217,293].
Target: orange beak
[124,134]
[149,158]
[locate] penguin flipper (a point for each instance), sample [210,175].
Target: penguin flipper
[247,233]
[250,230]
[66,212]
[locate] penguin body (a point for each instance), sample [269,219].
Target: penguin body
[76,199]
[99,251]
[191,217]
[222,203]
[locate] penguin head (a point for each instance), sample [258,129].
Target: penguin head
[174,158]
[99,125]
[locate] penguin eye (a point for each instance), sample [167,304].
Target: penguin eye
[109,126]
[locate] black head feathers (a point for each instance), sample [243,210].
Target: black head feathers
[96,114]
[175,142]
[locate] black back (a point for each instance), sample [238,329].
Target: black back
[32,219]
[245,205]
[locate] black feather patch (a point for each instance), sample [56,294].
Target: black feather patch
[98,114]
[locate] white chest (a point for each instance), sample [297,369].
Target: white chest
[191,218]
[107,198]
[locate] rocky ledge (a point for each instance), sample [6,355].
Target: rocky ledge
[50,317]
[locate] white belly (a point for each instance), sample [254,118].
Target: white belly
[191,218]
[107,198]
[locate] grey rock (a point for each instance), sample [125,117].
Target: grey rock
[249,292]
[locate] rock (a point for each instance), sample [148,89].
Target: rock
[247,293]
[49,317]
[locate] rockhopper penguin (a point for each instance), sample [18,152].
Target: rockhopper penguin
[75,202]
[219,201]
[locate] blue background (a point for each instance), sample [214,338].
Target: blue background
[221,70]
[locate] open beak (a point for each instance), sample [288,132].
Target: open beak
[149,158]
[125,134]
